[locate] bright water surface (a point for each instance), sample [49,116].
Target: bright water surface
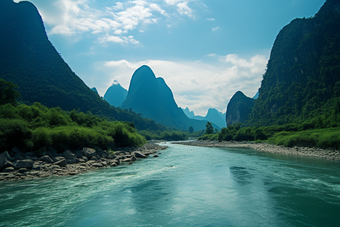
[185,186]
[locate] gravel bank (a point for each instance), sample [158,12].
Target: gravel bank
[265,147]
[15,165]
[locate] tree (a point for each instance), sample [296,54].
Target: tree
[209,128]
[7,92]
[191,129]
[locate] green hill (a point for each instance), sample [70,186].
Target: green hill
[28,59]
[239,108]
[302,80]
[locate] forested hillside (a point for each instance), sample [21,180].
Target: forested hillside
[302,80]
[28,59]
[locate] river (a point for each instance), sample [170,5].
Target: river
[184,186]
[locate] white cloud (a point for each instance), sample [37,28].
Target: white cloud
[118,39]
[75,17]
[182,7]
[196,85]
[215,29]
[210,19]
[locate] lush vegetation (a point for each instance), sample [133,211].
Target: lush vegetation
[37,127]
[322,131]
[302,79]
[299,98]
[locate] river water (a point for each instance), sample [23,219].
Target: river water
[184,186]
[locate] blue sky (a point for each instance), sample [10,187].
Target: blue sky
[206,50]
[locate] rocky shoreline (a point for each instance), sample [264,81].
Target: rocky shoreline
[265,147]
[15,165]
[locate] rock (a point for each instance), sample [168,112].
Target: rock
[81,160]
[97,165]
[138,154]
[18,156]
[26,163]
[78,153]
[30,154]
[127,160]
[94,158]
[8,169]
[36,166]
[62,162]
[16,150]
[73,173]
[89,152]
[22,170]
[4,157]
[104,163]
[111,156]
[46,158]
[10,176]
[33,173]
[70,157]
[82,168]
[55,166]
[155,156]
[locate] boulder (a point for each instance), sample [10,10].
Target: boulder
[18,156]
[56,159]
[16,150]
[97,165]
[4,156]
[70,157]
[78,153]
[139,154]
[46,158]
[104,163]
[8,169]
[26,163]
[89,152]
[62,162]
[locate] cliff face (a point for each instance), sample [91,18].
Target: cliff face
[151,97]
[239,108]
[28,59]
[303,69]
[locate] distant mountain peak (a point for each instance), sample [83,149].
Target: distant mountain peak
[115,94]
[153,98]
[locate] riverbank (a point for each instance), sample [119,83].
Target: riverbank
[265,147]
[17,166]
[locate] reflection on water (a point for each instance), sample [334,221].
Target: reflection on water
[204,187]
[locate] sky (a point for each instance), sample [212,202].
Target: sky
[206,50]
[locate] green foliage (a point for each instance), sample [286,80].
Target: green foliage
[209,137]
[209,128]
[302,78]
[8,94]
[14,133]
[322,138]
[191,129]
[35,127]
[169,135]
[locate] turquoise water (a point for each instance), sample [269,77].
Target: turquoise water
[185,186]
